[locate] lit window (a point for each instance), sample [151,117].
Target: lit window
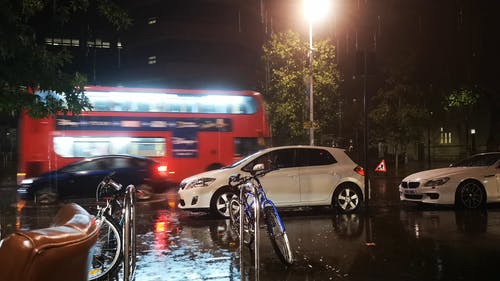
[152,20]
[445,137]
[166,102]
[119,45]
[152,60]
[62,42]
[98,43]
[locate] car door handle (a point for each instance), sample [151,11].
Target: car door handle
[489,176]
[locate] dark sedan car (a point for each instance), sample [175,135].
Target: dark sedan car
[80,179]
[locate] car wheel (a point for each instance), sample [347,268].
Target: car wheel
[45,196]
[470,195]
[347,198]
[219,205]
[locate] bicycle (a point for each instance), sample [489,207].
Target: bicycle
[116,241]
[249,187]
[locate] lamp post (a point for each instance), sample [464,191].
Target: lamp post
[313,10]
[311,96]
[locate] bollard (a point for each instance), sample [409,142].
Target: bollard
[256,212]
[256,209]
[129,236]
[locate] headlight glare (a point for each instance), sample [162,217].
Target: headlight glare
[202,182]
[437,181]
[28,181]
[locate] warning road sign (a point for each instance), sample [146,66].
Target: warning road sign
[381,167]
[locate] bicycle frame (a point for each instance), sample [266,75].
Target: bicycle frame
[120,205]
[253,202]
[262,196]
[252,205]
[245,208]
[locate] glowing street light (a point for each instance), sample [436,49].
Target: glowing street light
[314,10]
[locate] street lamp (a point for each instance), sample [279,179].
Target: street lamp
[314,10]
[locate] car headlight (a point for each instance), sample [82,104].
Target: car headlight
[28,181]
[436,182]
[203,182]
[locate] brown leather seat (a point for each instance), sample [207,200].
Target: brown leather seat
[59,252]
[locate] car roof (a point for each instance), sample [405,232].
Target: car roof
[115,156]
[337,152]
[488,153]
[108,156]
[302,146]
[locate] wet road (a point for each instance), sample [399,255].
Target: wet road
[391,241]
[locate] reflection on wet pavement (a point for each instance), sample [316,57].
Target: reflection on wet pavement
[173,249]
[392,242]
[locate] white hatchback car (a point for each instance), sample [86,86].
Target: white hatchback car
[305,176]
[470,183]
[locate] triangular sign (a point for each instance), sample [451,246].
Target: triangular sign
[381,167]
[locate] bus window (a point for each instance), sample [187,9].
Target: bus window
[158,102]
[92,146]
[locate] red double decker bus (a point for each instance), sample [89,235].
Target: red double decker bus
[188,131]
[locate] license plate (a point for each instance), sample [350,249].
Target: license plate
[410,191]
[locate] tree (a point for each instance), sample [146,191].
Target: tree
[286,58]
[26,64]
[400,109]
[461,102]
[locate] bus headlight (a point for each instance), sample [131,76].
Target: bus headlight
[202,182]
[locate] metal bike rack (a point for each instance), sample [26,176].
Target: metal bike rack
[256,209]
[129,237]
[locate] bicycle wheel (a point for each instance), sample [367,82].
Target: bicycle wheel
[248,225]
[107,251]
[278,236]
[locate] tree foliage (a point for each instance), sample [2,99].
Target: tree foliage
[26,64]
[461,102]
[400,109]
[286,58]
[461,99]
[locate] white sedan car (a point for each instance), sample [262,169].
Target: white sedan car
[305,176]
[470,183]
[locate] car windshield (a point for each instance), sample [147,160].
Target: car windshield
[239,161]
[479,160]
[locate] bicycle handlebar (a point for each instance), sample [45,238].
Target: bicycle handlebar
[106,184]
[236,180]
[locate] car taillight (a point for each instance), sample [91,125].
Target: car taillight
[162,169]
[359,170]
